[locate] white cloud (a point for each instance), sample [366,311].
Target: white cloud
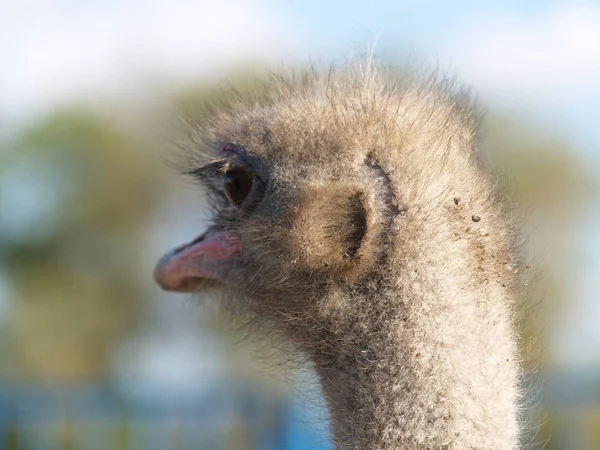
[555,54]
[54,49]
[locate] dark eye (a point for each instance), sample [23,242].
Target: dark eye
[238,183]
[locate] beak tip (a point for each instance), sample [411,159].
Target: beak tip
[160,274]
[189,267]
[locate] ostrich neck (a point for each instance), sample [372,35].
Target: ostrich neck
[430,366]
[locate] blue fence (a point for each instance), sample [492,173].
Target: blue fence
[225,416]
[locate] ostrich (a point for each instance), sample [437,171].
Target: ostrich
[352,215]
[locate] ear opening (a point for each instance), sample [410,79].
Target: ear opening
[330,229]
[358,223]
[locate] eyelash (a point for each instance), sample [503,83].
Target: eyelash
[208,171]
[210,176]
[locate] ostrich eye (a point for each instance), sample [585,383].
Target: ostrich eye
[238,183]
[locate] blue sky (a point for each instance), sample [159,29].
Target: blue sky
[540,51]
[539,59]
[536,57]
[339,22]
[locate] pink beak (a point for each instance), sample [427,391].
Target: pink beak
[190,267]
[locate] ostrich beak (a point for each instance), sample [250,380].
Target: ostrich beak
[191,267]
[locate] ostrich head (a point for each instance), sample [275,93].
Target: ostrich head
[351,212]
[319,189]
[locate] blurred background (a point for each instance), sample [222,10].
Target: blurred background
[94,356]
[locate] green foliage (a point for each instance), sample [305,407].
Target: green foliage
[74,258]
[539,168]
[193,102]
